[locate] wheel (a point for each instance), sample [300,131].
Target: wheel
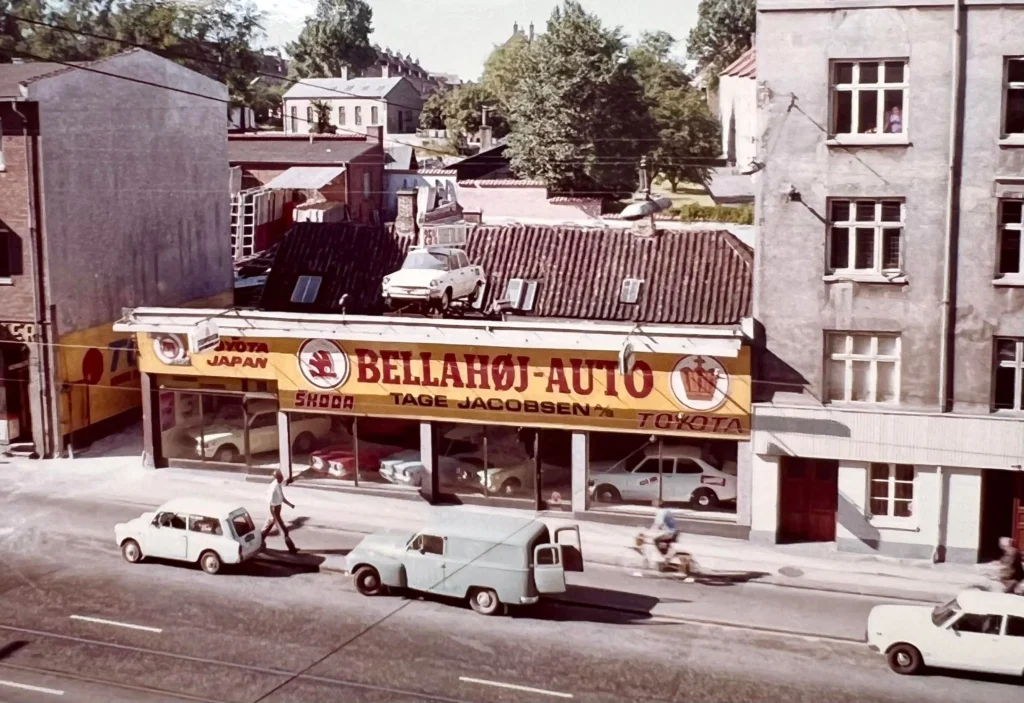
[368,581]
[475,295]
[607,494]
[446,299]
[303,443]
[228,454]
[704,499]
[484,601]
[131,551]
[210,561]
[510,487]
[904,659]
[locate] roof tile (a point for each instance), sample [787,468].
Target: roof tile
[743,67]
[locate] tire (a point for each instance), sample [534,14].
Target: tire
[510,486]
[704,499]
[904,659]
[131,551]
[606,493]
[446,300]
[368,581]
[303,443]
[484,601]
[475,295]
[210,561]
[228,454]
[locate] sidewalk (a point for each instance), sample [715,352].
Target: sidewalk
[811,566]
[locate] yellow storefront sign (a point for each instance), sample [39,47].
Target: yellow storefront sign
[675,394]
[99,374]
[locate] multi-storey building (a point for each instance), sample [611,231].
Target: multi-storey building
[889,276]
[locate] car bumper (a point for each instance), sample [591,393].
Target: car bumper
[392,476]
[412,294]
[529,600]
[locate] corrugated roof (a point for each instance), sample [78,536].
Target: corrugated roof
[693,277]
[501,183]
[12,75]
[306,177]
[286,149]
[339,88]
[743,67]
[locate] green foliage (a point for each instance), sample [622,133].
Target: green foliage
[579,117]
[722,33]
[335,36]
[432,116]
[322,118]
[463,112]
[735,214]
[505,69]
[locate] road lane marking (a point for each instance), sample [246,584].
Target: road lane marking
[115,623]
[515,687]
[34,689]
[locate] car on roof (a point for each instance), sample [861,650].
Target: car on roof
[434,275]
[198,530]
[493,562]
[977,631]
[685,474]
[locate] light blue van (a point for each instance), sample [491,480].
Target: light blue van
[491,560]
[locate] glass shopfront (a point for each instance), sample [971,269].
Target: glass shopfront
[631,472]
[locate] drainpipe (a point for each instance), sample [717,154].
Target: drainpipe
[952,215]
[39,287]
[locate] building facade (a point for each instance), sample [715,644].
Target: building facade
[152,194]
[888,401]
[356,105]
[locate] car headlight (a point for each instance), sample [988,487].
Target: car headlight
[318,463]
[387,279]
[435,282]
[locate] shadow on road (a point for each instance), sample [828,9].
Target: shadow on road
[727,578]
[270,563]
[11,647]
[976,676]
[599,605]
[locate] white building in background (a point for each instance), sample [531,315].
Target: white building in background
[737,109]
[355,104]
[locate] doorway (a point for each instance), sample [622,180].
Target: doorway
[809,498]
[1002,511]
[15,407]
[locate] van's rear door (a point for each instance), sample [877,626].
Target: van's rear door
[572,547]
[548,574]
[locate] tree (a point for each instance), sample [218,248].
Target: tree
[579,117]
[505,69]
[686,128]
[336,36]
[463,112]
[432,115]
[322,118]
[723,32]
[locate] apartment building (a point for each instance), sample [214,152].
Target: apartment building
[889,276]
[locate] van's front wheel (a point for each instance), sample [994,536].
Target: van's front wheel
[484,601]
[368,581]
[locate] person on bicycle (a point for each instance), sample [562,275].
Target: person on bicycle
[664,531]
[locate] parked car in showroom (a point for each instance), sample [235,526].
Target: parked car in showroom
[223,440]
[687,476]
[454,471]
[976,631]
[434,275]
[340,460]
[210,533]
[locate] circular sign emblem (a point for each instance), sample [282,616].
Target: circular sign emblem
[170,349]
[92,367]
[700,383]
[323,363]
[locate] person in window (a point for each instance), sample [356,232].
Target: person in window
[894,121]
[1011,570]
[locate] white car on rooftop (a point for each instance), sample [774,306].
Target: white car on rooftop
[208,532]
[436,275]
[977,631]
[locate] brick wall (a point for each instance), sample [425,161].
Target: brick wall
[15,292]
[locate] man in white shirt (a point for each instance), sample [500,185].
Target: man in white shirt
[275,495]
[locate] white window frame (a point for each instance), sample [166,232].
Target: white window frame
[629,292]
[1017,227]
[358,116]
[310,117]
[856,87]
[873,357]
[341,115]
[1017,365]
[878,225]
[374,115]
[306,289]
[1007,87]
[890,495]
[293,116]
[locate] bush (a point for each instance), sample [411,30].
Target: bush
[734,214]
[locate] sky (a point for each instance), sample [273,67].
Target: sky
[456,36]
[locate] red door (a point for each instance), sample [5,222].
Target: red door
[809,497]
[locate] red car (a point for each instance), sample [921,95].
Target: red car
[339,461]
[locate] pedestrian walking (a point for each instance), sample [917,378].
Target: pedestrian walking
[276,498]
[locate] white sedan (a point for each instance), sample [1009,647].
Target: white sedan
[193,530]
[977,631]
[437,275]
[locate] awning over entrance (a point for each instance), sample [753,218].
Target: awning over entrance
[306,178]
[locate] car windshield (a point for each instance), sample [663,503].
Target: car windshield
[942,614]
[241,523]
[425,260]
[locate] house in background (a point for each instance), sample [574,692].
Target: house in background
[356,105]
[736,102]
[99,212]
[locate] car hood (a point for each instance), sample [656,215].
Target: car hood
[899,618]
[415,277]
[390,544]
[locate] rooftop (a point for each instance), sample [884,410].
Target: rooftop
[743,67]
[14,75]
[339,88]
[293,149]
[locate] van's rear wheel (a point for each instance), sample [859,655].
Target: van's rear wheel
[368,581]
[210,562]
[484,601]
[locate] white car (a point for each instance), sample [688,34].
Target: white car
[687,478]
[977,631]
[193,530]
[436,275]
[223,440]
[453,471]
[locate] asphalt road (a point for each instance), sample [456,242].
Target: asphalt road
[273,632]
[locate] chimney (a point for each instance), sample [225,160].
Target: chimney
[375,133]
[405,221]
[486,142]
[531,31]
[515,28]
[473,216]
